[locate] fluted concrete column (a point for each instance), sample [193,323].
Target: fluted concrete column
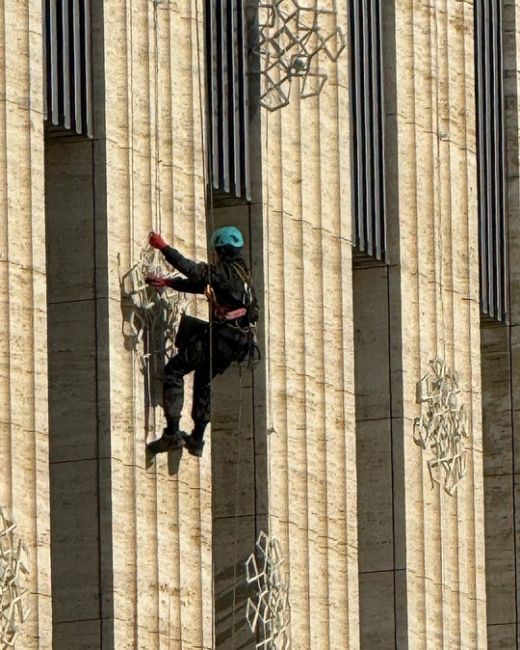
[435,302]
[24,489]
[310,409]
[154,66]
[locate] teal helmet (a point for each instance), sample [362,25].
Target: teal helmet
[227,236]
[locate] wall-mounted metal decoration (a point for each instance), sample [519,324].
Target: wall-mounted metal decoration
[442,426]
[292,34]
[150,319]
[149,313]
[13,566]
[268,614]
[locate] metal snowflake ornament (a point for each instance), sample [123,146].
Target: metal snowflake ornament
[292,34]
[13,567]
[268,613]
[442,426]
[151,316]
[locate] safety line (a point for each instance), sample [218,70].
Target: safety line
[237,453]
[159,360]
[130,103]
[441,296]
[208,206]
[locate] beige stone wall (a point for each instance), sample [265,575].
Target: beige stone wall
[435,298]
[161,516]
[308,315]
[24,488]
[154,535]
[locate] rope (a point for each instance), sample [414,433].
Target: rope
[208,206]
[156,28]
[441,289]
[208,193]
[208,184]
[237,441]
[271,427]
[129,9]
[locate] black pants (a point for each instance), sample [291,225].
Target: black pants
[194,354]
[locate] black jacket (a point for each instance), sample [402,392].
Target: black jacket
[226,278]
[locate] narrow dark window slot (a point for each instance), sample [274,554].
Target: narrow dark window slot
[228,107]
[491,160]
[367,129]
[68,63]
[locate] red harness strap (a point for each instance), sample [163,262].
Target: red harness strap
[222,312]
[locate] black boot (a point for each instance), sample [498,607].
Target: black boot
[195,442]
[168,440]
[194,445]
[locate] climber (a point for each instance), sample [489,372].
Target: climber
[233,311]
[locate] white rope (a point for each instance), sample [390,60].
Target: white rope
[208,208]
[237,445]
[208,193]
[441,296]
[157,160]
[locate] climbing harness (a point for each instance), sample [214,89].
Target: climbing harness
[222,312]
[231,316]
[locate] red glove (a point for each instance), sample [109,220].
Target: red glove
[157,282]
[156,241]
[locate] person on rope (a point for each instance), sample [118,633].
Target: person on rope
[207,349]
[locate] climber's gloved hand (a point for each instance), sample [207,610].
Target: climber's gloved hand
[157,282]
[156,241]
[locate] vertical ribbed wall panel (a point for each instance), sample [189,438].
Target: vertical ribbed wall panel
[67,46]
[161,515]
[228,101]
[491,158]
[367,129]
[435,298]
[24,487]
[308,303]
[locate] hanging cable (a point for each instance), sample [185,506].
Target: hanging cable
[441,289]
[238,446]
[208,207]
[208,194]
[130,109]
[157,161]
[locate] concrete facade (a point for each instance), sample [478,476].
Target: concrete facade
[24,475]
[316,445]
[148,583]
[421,550]
[309,346]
